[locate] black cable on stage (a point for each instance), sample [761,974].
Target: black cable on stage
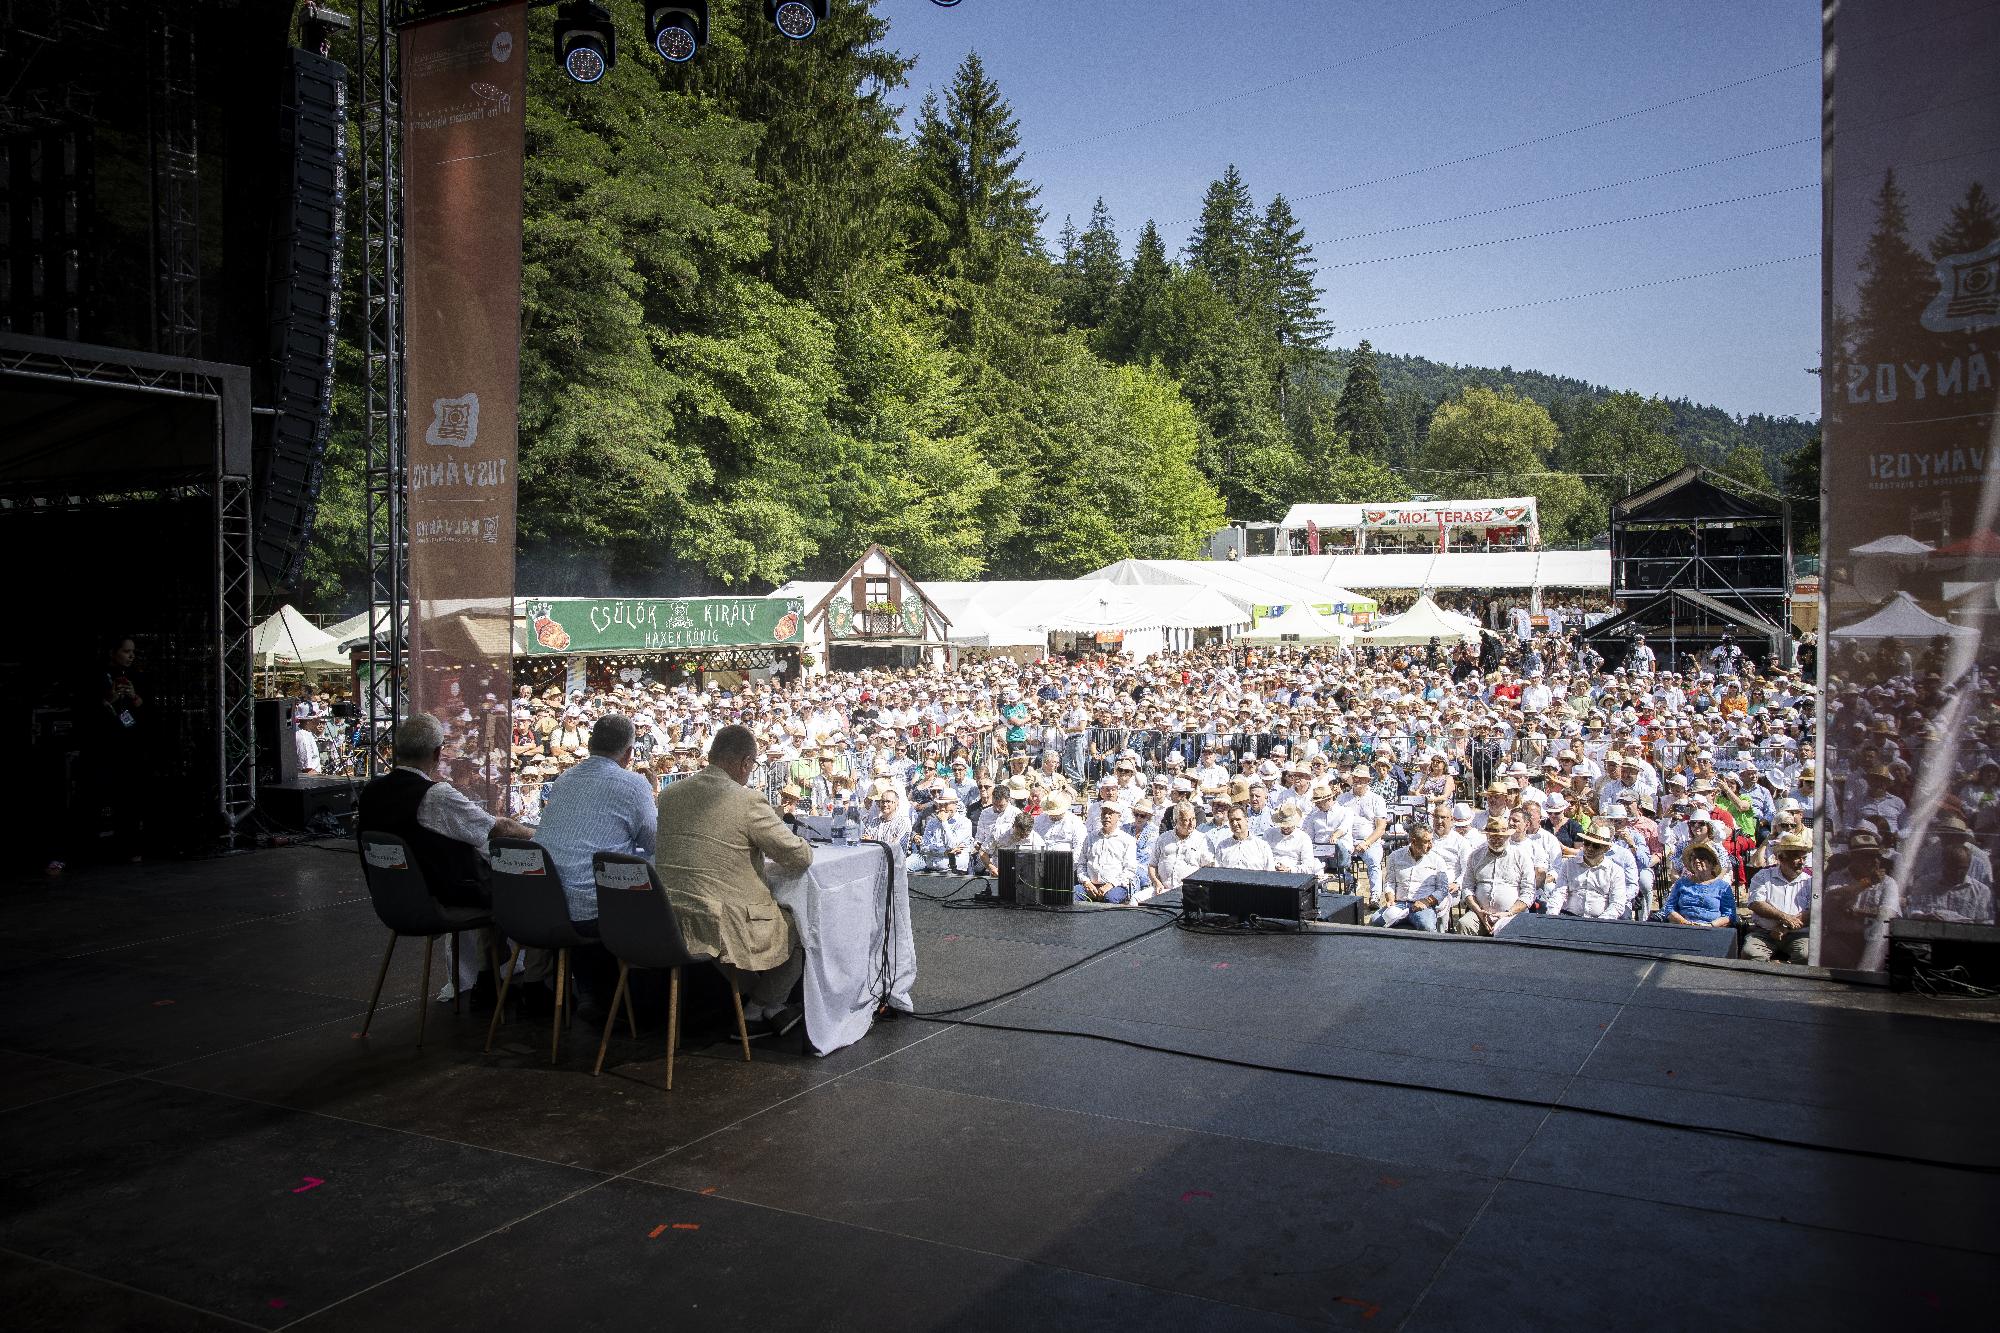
[1536,1103]
[936,1015]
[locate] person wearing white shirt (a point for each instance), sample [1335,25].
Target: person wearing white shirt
[1593,885]
[1369,815]
[1416,881]
[1781,903]
[1330,828]
[1242,849]
[305,744]
[999,814]
[885,820]
[1291,849]
[1058,825]
[947,846]
[1498,882]
[1108,869]
[1181,851]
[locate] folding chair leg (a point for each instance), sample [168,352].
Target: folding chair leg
[555,1028]
[380,977]
[742,1026]
[456,997]
[500,1000]
[424,995]
[673,1022]
[604,1042]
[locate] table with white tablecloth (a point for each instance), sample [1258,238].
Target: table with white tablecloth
[852,911]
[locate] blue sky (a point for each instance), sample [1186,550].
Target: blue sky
[1145,103]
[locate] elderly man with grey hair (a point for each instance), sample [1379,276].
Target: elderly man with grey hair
[446,830]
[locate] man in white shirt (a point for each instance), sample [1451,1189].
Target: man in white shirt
[1592,886]
[1291,849]
[948,837]
[1058,825]
[1242,849]
[1108,869]
[305,744]
[1781,903]
[1498,882]
[1416,882]
[1330,830]
[1369,815]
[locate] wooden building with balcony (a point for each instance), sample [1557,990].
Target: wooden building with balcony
[874,615]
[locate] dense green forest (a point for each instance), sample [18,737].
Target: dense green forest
[768,319]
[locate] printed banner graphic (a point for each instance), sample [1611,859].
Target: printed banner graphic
[464,90]
[648,624]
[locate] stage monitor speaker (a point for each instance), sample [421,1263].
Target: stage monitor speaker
[305,304]
[1943,957]
[1058,878]
[1020,881]
[277,742]
[1277,895]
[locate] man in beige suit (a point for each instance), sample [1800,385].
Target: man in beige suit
[715,835]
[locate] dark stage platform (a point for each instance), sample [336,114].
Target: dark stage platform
[1390,1131]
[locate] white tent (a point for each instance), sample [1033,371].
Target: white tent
[1893,545]
[1902,618]
[1424,621]
[289,639]
[1261,581]
[1300,622]
[1091,606]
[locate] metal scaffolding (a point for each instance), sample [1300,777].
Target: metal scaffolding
[176,174]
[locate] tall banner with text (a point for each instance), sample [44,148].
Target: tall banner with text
[1909,805]
[464,90]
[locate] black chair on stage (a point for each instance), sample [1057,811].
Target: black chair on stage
[531,910]
[636,924]
[404,903]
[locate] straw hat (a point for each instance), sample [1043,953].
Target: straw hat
[1798,840]
[1596,835]
[1055,804]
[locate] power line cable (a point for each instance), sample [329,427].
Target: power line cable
[1564,231]
[1573,194]
[1287,82]
[1583,296]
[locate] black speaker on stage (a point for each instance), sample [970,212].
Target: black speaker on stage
[1020,881]
[1278,895]
[277,744]
[1058,878]
[304,281]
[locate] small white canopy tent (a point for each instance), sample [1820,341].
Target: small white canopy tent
[1902,618]
[1091,606]
[1424,621]
[288,639]
[1301,622]
[1892,545]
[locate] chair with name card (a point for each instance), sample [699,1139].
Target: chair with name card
[403,901]
[636,925]
[531,910]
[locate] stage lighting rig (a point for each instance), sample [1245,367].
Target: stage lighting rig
[586,41]
[677,31]
[796,19]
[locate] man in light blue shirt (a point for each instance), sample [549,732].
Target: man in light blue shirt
[947,845]
[598,806]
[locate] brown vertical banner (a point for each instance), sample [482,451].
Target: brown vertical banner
[463,142]
[1910,550]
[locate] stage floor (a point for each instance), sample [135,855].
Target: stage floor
[196,1137]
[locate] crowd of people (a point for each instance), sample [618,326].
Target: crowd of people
[1451,787]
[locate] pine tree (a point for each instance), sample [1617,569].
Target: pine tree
[1897,285]
[1363,414]
[1285,277]
[1973,226]
[1128,337]
[1099,269]
[977,213]
[1221,245]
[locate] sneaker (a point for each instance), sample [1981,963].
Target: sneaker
[785,1020]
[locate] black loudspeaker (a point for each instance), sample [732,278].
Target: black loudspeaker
[1058,879]
[277,746]
[1020,881]
[1279,895]
[305,298]
[1943,957]
[47,222]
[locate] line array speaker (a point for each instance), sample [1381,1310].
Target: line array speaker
[305,306]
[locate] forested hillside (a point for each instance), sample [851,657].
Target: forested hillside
[768,319]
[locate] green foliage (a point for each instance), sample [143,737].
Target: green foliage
[1495,442]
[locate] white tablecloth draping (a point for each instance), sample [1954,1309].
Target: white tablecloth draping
[852,911]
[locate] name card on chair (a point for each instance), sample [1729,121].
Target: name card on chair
[622,875]
[385,856]
[519,861]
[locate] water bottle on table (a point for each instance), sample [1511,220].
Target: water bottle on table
[839,813]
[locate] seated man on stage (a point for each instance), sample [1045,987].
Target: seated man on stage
[715,835]
[600,805]
[447,831]
[1108,869]
[946,847]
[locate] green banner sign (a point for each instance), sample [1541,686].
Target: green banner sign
[650,624]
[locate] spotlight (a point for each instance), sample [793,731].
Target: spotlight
[796,19]
[586,43]
[677,31]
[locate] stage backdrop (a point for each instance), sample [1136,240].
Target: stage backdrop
[1911,348]
[463,94]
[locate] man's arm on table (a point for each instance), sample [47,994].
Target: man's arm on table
[781,847]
